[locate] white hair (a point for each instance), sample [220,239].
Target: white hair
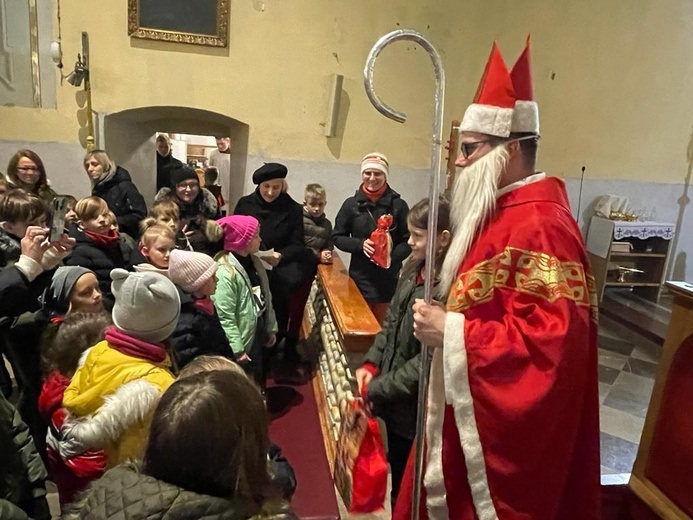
[473,200]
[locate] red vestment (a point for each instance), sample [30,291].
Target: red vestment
[516,379]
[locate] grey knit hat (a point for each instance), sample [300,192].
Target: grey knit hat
[147,305]
[55,300]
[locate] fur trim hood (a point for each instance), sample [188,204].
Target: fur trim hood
[205,203]
[129,405]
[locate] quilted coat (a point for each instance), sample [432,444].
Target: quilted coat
[125,493]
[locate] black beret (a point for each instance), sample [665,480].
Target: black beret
[181,173]
[268,172]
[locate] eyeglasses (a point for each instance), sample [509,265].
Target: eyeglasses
[468,149]
[192,186]
[28,169]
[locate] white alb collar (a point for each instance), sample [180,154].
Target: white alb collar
[522,182]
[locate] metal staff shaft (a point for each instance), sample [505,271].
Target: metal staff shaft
[433,193]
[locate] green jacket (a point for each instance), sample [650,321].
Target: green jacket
[397,354]
[235,302]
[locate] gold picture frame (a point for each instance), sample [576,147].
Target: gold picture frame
[197,30]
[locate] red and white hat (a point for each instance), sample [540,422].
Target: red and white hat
[526,113]
[491,112]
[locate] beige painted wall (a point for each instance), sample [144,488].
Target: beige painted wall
[618,103]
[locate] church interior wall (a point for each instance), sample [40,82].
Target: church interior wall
[612,81]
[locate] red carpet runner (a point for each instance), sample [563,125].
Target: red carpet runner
[295,428]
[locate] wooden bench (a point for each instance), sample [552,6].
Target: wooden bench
[341,326]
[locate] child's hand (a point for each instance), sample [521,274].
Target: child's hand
[273,259]
[363,378]
[187,233]
[325,256]
[271,340]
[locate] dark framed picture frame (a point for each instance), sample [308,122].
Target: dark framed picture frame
[198,22]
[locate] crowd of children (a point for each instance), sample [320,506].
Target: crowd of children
[109,370]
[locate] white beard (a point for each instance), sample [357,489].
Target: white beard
[472,202]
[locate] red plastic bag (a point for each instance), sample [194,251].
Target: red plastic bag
[360,469]
[382,242]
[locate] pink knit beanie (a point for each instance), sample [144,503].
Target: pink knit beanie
[190,270]
[239,230]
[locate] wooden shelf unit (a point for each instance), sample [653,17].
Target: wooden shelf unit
[199,152]
[649,254]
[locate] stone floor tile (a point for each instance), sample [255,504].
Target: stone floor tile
[618,454]
[620,424]
[630,393]
[612,359]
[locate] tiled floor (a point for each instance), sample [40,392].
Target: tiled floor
[627,367]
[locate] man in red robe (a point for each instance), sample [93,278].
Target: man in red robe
[512,429]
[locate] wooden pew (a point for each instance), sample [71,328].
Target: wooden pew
[663,472]
[339,324]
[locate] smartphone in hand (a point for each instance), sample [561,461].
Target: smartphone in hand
[58,220]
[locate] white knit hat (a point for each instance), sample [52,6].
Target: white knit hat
[190,270]
[147,305]
[375,161]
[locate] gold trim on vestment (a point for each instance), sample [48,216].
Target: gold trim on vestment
[528,272]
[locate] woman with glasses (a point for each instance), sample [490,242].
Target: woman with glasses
[198,211]
[26,171]
[114,185]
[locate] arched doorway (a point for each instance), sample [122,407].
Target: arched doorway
[128,136]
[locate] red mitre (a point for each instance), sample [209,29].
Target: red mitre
[492,110]
[526,113]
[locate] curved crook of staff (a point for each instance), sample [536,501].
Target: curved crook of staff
[434,181]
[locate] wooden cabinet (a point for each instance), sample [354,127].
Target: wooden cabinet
[631,255]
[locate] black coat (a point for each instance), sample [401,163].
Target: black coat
[164,165]
[197,333]
[195,218]
[281,228]
[124,200]
[17,294]
[355,222]
[10,248]
[102,260]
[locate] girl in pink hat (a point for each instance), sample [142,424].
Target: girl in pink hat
[243,299]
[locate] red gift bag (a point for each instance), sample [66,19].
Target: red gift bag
[360,469]
[382,242]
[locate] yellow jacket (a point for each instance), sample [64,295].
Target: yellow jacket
[110,401]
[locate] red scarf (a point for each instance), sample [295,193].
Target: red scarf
[109,241]
[205,304]
[373,196]
[154,352]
